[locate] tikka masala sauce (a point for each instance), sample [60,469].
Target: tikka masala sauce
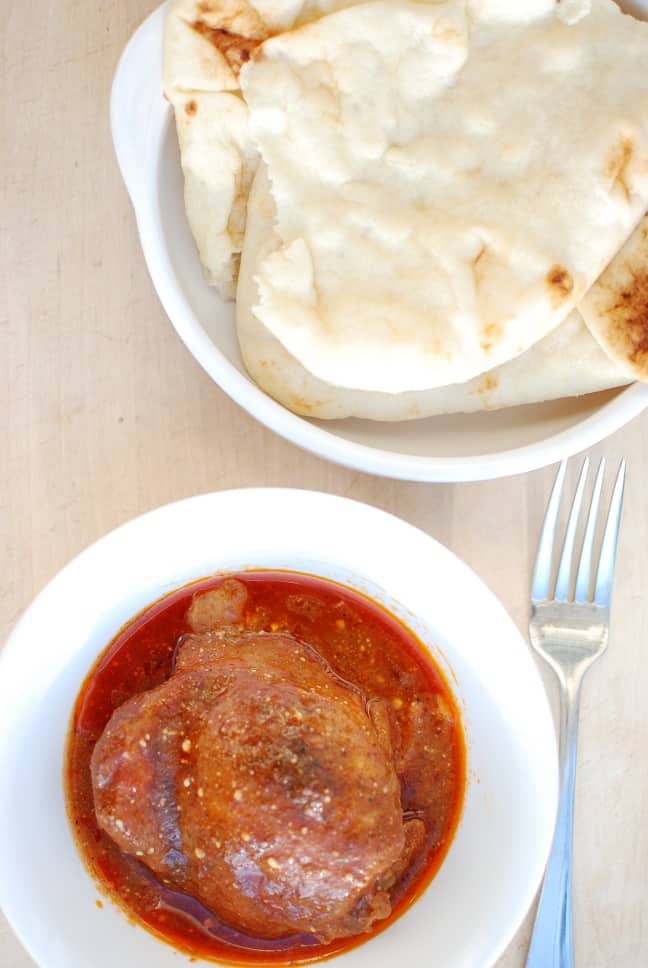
[363,644]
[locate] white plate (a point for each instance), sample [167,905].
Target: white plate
[471,910]
[454,448]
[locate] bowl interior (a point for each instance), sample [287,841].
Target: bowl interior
[473,906]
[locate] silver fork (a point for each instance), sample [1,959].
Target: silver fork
[570,632]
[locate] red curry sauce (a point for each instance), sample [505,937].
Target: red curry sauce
[366,646]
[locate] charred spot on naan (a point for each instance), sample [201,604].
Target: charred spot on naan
[191,108]
[560,283]
[627,318]
[616,307]
[236,49]
[232,27]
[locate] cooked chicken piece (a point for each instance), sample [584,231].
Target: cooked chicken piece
[259,782]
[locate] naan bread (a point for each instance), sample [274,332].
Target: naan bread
[449,178]
[206,43]
[616,309]
[567,362]
[218,162]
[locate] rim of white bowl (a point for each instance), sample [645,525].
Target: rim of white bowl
[139,124]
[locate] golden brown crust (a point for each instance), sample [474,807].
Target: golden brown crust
[616,308]
[560,284]
[627,318]
[235,48]
[235,17]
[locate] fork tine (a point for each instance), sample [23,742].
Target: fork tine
[605,571]
[563,580]
[544,555]
[584,574]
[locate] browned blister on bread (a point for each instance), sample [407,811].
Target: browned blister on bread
[616,307]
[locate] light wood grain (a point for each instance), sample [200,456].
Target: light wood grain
[105,415]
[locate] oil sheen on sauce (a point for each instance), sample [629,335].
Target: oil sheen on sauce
[365,645]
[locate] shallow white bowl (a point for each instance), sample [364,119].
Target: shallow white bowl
[471,910]
[454,448]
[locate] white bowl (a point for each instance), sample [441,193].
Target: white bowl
[455,448]
[469,913]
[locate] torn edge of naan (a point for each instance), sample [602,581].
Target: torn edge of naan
[616,307]
[206,44]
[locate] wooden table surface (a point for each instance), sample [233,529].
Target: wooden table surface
[104,415]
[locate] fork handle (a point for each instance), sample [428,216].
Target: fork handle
[552,941]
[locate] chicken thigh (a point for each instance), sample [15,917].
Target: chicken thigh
[259,782]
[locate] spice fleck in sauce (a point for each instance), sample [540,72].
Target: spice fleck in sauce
[365,646]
